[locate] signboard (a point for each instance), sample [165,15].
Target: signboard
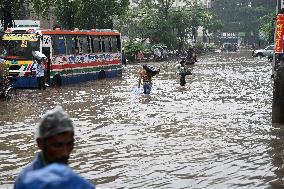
[282,4]
[24,23]
[241,34]
[228,35]
[46,41]
[20,37]
[279,33]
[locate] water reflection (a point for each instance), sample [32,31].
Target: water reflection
[276,152]
[213,133]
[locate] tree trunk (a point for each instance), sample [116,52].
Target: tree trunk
[7,19]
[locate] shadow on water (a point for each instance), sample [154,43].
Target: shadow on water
[215,132]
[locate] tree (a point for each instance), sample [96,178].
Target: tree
[65,12]
[210,23]
[83,14]
[196,14]
[162,23]
[9,10]
[163,7]
[243,15]
[267,28]
[181,23]
[138,22]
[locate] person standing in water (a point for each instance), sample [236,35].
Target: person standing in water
[39,68]
[123,57]
[145,77]
[183,70]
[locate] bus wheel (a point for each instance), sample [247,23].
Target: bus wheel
[102,74]
[57,80]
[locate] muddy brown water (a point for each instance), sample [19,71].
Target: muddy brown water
[215,132]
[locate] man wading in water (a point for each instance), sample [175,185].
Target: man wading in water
[146,75]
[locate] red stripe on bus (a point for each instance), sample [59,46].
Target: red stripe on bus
[86,65]
[28,67]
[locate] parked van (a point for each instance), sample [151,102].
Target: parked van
[228,47]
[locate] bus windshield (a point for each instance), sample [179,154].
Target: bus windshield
[20,49]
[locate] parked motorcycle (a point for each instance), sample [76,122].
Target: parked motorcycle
[7,90]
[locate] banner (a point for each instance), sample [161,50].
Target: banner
[19,37]
[279,33]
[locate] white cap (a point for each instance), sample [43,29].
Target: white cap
[54,122]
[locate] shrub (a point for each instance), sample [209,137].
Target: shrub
[131,48]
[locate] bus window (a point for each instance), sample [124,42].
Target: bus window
[110,45]
[90,44]
[114,44]
[103,46]
[83,42]
[58,45]
[16,48]
[118,43]
[76,43]
[70,44]
[96,46]
[106,44]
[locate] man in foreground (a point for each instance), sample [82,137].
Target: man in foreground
[55,139]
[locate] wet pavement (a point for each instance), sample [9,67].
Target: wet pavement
[215,132]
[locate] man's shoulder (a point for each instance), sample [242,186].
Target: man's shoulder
[55,176]
[34,165]
[29,167]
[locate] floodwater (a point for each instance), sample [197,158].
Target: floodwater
[215,132]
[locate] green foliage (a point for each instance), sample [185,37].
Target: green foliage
[65,12]
[211,22]
[99,13]
[10,10]
[210,47]
[268,27]
[83,14]
[201,48]
[243,15]
[131,48]
[163,33]
[162,23]
[138,23]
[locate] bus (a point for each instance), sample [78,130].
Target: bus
[73,55]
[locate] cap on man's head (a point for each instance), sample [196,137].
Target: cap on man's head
[54,122]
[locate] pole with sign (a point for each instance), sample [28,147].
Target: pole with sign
[278,85]
[279,33]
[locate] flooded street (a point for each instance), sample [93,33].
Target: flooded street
[215,132]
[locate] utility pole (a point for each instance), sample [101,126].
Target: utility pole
[278,87]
